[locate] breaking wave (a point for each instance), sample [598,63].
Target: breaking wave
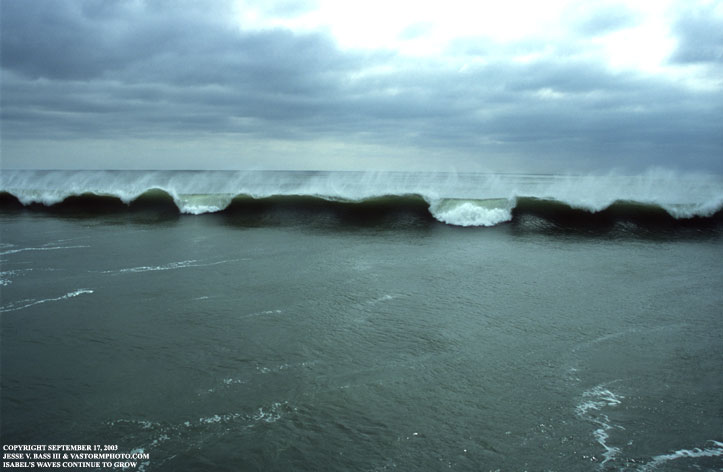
[468,212]
[454,199]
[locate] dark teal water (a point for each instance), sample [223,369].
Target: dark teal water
[306,342]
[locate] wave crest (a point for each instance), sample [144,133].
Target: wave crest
[454,199]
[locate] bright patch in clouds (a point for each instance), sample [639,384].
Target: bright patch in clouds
[401,25]
[428,28]
[646,45]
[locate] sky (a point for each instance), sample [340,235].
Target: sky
[514,86]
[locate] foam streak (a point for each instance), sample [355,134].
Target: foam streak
[68,295]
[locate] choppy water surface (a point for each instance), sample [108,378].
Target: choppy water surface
[301,336]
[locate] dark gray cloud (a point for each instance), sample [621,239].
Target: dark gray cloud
[75,70]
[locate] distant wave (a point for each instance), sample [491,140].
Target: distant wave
[454,199]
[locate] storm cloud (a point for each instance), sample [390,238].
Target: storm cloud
[90,83]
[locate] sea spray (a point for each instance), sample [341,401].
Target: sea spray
[455,199]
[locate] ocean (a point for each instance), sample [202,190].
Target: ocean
[363,321]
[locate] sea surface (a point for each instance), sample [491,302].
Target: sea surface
[306,321]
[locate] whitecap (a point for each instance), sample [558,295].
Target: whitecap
[462,212]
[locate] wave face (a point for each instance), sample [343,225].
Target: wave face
[454,199]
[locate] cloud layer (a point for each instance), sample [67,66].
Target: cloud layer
[156,84]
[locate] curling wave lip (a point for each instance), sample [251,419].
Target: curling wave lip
[454,199]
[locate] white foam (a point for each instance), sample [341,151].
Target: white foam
[211,419]
[14,307]
[230,381]
[5,276]
[43,248]
[262,313]
[169,266]
[265,415]
[593,401]
[159,433]
[715,451]
[144,424]
[284,366]
[460,212]
[271,415]
[199,204]
[5,279]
